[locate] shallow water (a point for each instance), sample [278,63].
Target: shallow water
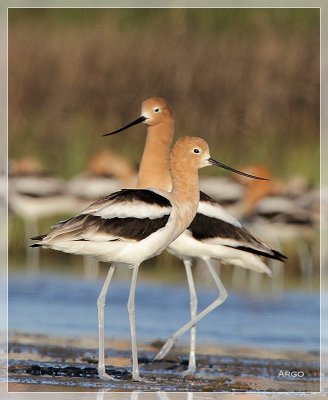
[60,305]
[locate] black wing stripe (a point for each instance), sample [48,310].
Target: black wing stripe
[275,255]
[142,195]
[204,227]
[129,228]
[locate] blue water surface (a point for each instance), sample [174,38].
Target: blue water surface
[66,306]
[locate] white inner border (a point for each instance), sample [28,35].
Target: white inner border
[323,5]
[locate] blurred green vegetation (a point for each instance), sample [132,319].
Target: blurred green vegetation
[196,19]
[247,80]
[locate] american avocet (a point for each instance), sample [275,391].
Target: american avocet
[281,214]
[214,233]
[35,194]
[273,201]
[132,225]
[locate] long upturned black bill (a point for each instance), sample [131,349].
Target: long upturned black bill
[135,122]
[219,164]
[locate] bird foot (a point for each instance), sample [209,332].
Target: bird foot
[105,377]
[189,372]
[137,378]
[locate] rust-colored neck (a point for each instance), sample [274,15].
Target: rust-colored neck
[185,182]
[154,166]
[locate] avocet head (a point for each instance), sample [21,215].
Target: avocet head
[194,152]
[153,111]
[191,151]
[156,110]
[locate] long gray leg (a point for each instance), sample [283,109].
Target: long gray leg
[193,313]
[101,325]
[132,318]
[219,300]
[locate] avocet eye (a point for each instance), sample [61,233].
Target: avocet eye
[156,109]
[196,151]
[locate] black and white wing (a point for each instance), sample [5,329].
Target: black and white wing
[129,214]
[213,224]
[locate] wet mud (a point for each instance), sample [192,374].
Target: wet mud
[48,364]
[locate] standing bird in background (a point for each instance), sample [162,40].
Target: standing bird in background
[281,214]
[107,172]
[35,194]
[133,225]
[213,233]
